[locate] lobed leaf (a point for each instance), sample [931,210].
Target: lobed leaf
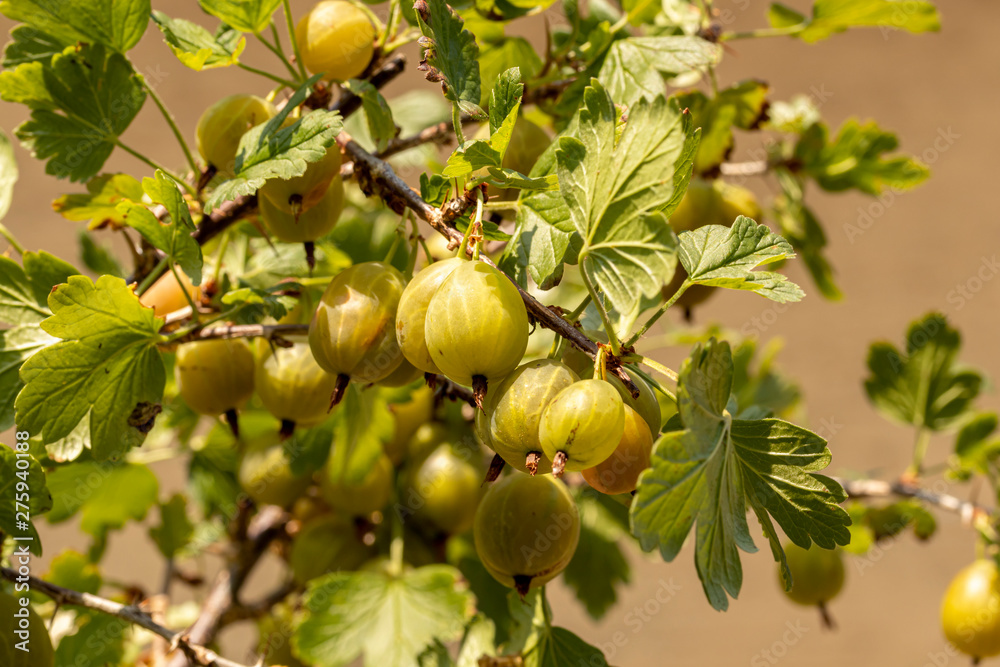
[39,500]
[196,47]
[243,15]
[453,52]
[117,24]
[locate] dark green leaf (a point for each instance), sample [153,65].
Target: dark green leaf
[599,551]
[101,638]
[98,258]
[80,104]
[272,151]
[381,127]
[244,15]
[389,620]
[362,423]
[107,368]
[34,497]
[118,24]
[94,490]
[542,645]
[30,45]
[711,470]
[975,450]
[799,225]
[71,569]
[923,386]
[196,47]
[453,53]
[175,529]
[742,106]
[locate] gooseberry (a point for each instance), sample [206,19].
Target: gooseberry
[476,326]
[292,386]
[223,124]
[582,425]
[265,473]
[337,39]
[515,411]
[619,473]
[444,491]
[970,610]
[327,544]
[363,496]
[310,224]
[412,312]
[526,530]
[817,576]
[215,376]
[300,193]
[352,334]
[166,295]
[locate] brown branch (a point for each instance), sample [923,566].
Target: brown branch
[444,387]
[268,331]
[193,651]
[876,488]
[376,177]
[258,608]
[754,168]
[385,72]
[265,527]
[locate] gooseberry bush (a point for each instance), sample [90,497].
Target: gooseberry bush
[402,344]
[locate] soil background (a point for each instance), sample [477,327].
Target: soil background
[896,259]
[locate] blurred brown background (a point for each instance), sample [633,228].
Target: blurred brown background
[940,93]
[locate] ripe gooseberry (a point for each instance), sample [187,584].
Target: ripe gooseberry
[223,124]
[215,376]
[411,316]
[292,386]
[337,39]
[817,576]
[444,491]
[526,530]
[352,334]
[970,610]
[326,544]
[359,497]
[41,653]
[300,193]
[619,473]
[515,411]
[309,224]
[582,425]
[476,326]
[265,473]
[166,295]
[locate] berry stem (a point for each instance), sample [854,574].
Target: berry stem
[456,121]
[173,126]
[233,419]
[479,388]
[290,24]
[658,314]
[531,462]
[559,463]
[267,75]
[920,445]
[496,467]
[826,617]
[338,391]
[6,233]
[277,50]
[287,429]
[616,346]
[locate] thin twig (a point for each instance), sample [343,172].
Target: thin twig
[877,488]
[348,102]
[753,168]
[194,652]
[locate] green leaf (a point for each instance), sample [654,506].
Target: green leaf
[101,638]
[832,16]
[389,620]
[619,194]
[542,645]
[471,156]
[175,529]
[117,24]
[272,151]
[725,256]
[709,472]
[491,230]
[196,47]
[244,15]
[975,451]
[923,386]
[635,67]
[173,238]
[94,490]
[98,258]
[761,389]
[505,100]
[378,115]
[508,178]
[362,424]
[23,294]
[801,228]
[743,106]
[452,55]
[855,159]
[30,45]
[22,481]
[81,104]
[106,368]
[8,173]
[256,305]
[100,204]
[71,569]
[495,58]
[490,594]
[599,551]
